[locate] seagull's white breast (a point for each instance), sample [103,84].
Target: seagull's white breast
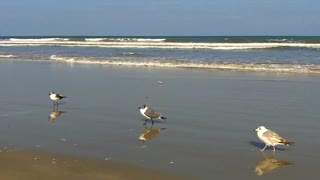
[53,97]
[142,111]
[263,138]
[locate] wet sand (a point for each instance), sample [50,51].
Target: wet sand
[208,133]
[38,165]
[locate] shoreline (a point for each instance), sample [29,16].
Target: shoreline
[232,67]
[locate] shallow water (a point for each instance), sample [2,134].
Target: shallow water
[209,130]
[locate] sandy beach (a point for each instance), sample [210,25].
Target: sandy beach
[208,134]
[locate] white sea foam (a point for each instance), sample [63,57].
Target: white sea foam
[38,39]
[213,66]
[277,40]
[95,39]
[152,40]
[149,43]
[6,56]
[134,39]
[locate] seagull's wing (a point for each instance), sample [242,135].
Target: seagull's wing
[273,137]
[151,113]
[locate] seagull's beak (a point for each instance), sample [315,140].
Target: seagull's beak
[255,130]
[139,107]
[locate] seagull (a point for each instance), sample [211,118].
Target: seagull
[266,165]
[270,138]
[55,97]
[149,113]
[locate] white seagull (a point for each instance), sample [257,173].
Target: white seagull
[270,138]
[55,97]
[149,113]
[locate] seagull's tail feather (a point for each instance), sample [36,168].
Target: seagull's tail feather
[162,117]
[288,143]
[63,97]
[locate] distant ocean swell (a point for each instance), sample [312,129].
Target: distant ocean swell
[155,43]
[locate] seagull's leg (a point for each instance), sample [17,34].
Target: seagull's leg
[263,148]
[145,122]
[274,149]
[152,121]
[54,105]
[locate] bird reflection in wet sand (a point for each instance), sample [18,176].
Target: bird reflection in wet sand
[270,164]
[150,133]
[54,114]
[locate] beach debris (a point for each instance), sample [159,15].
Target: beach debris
[53,161]
[160,82]
[171,162]
[63,140]
[270,138]
[35,158]
[107,159]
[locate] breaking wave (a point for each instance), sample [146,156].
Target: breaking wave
[153,43]
[7,56]
[263,67]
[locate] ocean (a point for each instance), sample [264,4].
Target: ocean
[299,54]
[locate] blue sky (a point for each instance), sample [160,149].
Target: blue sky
[159,17]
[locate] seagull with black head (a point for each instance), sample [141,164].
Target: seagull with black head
[149,113]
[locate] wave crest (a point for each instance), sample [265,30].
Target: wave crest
[179,64]
[7,56]
[151,43]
